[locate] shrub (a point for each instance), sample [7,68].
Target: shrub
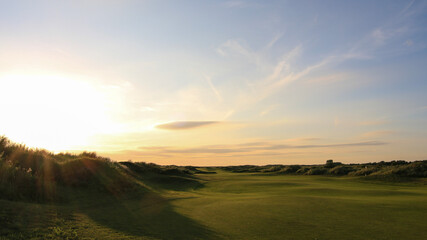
[415,169]
[341,170]
[316,171]
[273,169]
[302,170]
[290,169]
[364,171]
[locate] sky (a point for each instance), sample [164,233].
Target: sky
[213,83]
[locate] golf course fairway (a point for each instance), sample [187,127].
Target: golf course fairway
[232,206]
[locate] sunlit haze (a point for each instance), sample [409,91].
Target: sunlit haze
[217,82]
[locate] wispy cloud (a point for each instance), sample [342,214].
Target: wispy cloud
[409,43]
[405,10]
[281,74]
[374,134]
[327,79]
[273,41]
[286,70]
[179,125]
[234,153]
[233,4]
[304,139]
[283,66]
[379,36]
[284,75]
[372,122]
[154,148]
[213,88]
[147,109]
[397,27]
[237,48]
[254,147]
[268,110]
[239,4]
[367,143]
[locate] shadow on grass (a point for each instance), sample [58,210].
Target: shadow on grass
[168,181]
[148,216]
[177,183]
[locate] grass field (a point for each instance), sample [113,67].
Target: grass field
[230,206]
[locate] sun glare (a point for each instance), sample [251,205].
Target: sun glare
[53,112]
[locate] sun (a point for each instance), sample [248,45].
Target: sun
[51,111]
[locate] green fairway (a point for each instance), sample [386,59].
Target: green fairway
[231,206]
[244,206]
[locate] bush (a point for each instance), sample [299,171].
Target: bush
[415,169]
[272,169]
[364,171]
[316,171]
[290,169]
[143,168]
[302,170]
[341,170]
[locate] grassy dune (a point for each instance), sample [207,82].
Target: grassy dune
[230,206]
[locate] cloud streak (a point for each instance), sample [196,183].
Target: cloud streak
[180,125]
[213,88]
[254,147]
[377,133]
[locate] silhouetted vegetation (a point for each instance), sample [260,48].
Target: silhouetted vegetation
[142,167]
[398,168]
[37,175]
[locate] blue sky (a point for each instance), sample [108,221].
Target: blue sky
[217,82]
